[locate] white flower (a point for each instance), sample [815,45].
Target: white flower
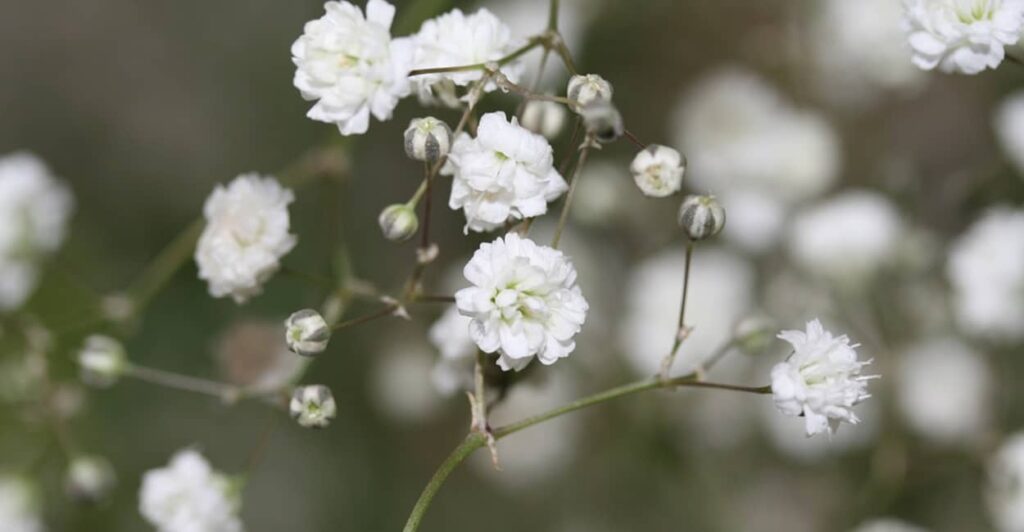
[820,380]
[505,173]
[544,117]
[965,36]
[450,335]
[585,89]
[246,235]
[1005,493]
[846,238]
[102,361]
[313,406]
[888,524]
[19,507]
[1009,125]
[189,495]
[457,39]
[524,302]
[350,65]
[307,332]
[943,391]
[34,211]
[89,478]
[658,170]
[530,17]
[986,271]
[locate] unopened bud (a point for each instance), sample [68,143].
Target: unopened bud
[589,88]
[603,121]
[102,361]
[701,217]
[544,117]
[313,406]
[658,170]
[307,332]
[398,222]
[89,479]
[427,139]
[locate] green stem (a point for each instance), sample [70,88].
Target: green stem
[164,266]
[519,52]
[186,383]
[384,312]
[577,173]
[666,364]
[553,16]
[467,447]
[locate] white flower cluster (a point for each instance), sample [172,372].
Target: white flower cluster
[245,237]
[19,507]
[524,302]
[189,495]
[964,36]
[1009,126]
[34,211]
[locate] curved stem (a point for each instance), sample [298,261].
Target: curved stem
[534,42]
[467,447]
[576,175]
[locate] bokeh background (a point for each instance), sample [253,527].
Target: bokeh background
[142,107]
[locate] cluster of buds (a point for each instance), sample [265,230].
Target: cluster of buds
[313,406]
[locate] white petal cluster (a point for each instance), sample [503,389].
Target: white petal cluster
[986,271]
[820,380]
[943,391]
[505,173]
[658,170]
[350,65]
[189,495]
[744,139]
[246,235]
[524,302]
[457,39]
[19,507]
[846,238]
[964,36]
[1005,493]
[34,211]
[1009,126]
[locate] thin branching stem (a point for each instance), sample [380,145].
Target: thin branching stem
[532,43]
[681,329]
[388,310]
[576,175]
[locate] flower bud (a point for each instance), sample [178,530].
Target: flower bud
[701,217]
[313,406]
[89,479]
[658,170]
[398,222]
[543,117]
[589,88]
[427,139]
[307,332]
[602,120]
[102,361]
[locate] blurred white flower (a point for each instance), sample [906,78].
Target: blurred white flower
[101,361]
[313,406]
[505,173]
[402,382]
[34,211]
[350,65]
[721,292]
[458,39]
[189,495]
[965,36]
[89,479]
[846,238]
[658,170]
[820,380]
[943,391]
[986,270]
[1005,493]
[246,235]
[544,117]
[1009,125]
[524,302]
[253,354]
[19,507]
[888,524]
[450,336]
[530,17]
[755,219]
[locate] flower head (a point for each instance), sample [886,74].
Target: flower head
[658,170]
[189,495]
[89,478]
[350,66]
[965,36]
[313,406]
[307,332]
[246,235]
[524,302]
[505,173]
[585,89]
[821,380]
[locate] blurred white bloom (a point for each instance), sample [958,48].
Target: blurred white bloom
[189,495]
[19,507]
[585,89]
[505,173]
[530,17]
[787,434]
[544,117]
[986,269]
[888,524]
[402,382]
[34,211]
[450,335]
[943,391]
[965,36]
[1005,493]
[350,65]
[1009,125]
[820,380]
[313,406]
[524,302]
[603,197]
[458,39]
[721,292]
[658,170]
[755,219]
[246,235]
[89,478]
[101,361]
[847,237]
[254,354]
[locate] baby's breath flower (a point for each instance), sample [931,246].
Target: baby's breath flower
[398,222]
[603,120]
[701,217]
[427,139]
[189,495]
[313,406]
[89,478]
[965,36]
[544,117]
[19,506]
[102,361]
[307,333]
[658,170]
[585,89]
